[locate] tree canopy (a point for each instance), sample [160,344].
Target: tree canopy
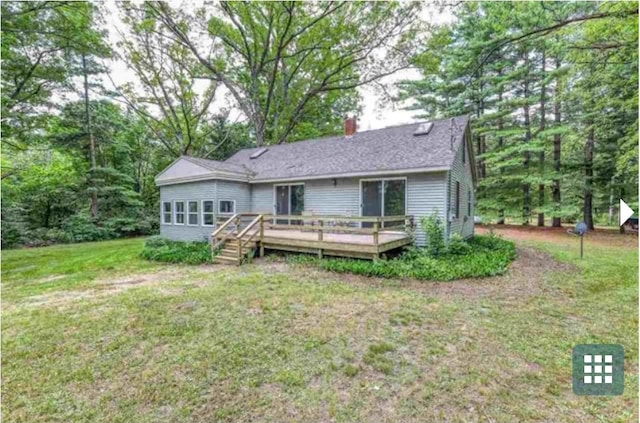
[552,90]
[551,87]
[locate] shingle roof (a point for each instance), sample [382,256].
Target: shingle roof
[218,165]
[387,149]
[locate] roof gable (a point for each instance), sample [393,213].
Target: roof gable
[182,168]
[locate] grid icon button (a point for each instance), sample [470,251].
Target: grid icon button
[598,369]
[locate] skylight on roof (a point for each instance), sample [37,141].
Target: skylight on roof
[423,129]
[258,153]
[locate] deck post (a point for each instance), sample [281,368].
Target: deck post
[261,236]
[375,232]
[320,253]
[321,223]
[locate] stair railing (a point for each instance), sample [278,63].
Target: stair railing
[245,231]
[215,244]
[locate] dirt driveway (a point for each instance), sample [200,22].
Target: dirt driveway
[602,237]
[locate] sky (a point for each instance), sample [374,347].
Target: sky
[376,113]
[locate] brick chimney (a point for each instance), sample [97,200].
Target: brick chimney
[349,126]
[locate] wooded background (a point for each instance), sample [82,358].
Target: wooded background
[552,89]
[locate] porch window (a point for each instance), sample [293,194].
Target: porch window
[207,213]
[179,212]
[193,213]
[166,213]
[469,203]
[226,206]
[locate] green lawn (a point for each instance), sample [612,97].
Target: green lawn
[92,333]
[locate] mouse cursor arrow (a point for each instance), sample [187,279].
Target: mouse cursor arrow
[625,212]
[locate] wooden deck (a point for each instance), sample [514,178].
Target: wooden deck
[334,244]
[342,236]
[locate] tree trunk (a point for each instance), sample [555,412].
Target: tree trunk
[557,144]
[543,89]
[500,140]
[588,176]
[92,141]
[526,186]
[480,138]
[479,150]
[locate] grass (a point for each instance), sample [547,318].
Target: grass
[33,271]
[273,342]
[482,256]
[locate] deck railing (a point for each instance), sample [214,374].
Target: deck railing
[239,225]
[323,224]
[246,227]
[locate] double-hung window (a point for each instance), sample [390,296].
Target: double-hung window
[179,212]
[166,213]
[469,203]
[226,206]
[207,213]
[192,218]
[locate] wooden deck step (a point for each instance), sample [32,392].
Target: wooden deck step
[229,252]
[226,260]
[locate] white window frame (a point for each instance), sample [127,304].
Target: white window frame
[163,213]
[406,192]
[189,213]
[212,212]
[226,213]
[469,203]
[275,190]
[175,212]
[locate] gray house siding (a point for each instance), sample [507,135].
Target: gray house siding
[461,172]
[198,191]
[240,192]
[262,198]
[425,195]
[322,197]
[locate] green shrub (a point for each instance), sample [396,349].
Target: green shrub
[82,227]
[161,249]
[13,227]
[457,246]
[482,256]
[132,226]
[433,227]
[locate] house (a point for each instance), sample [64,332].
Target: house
[416,169]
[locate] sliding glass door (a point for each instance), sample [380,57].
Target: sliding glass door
[384,197]
[289,201]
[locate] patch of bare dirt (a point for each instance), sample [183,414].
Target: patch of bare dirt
[604,237]
[523,279]
[106,287]
[50,278]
